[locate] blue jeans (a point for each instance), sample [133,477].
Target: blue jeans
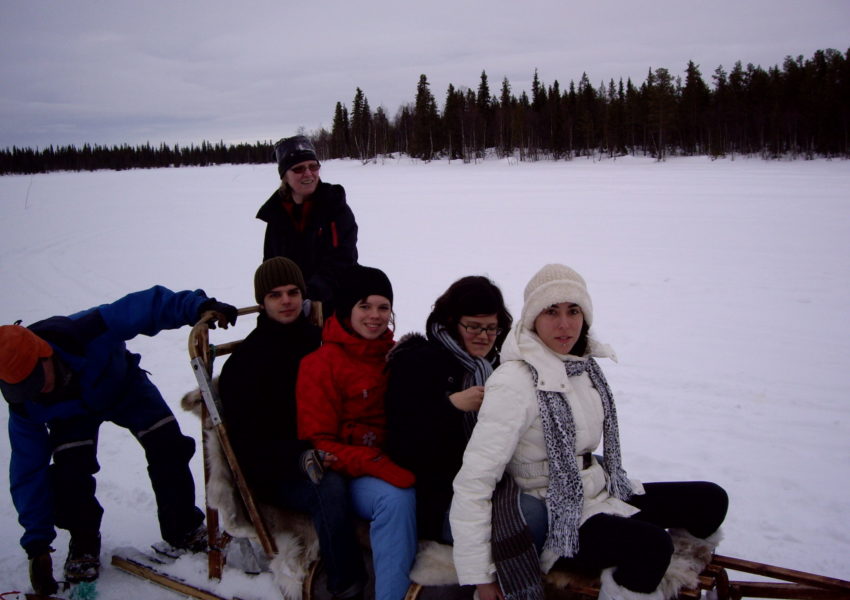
[392,532]
[330,510]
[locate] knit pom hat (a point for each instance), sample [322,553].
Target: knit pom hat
[360,282]
[276,272]
[554,284]
[293,150]
[20,351]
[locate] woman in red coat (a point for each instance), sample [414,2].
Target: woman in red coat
[340,395]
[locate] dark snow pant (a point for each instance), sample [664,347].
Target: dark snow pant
[330,510]
[639,546]
[142,410]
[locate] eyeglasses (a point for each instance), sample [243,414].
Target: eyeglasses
[476,329]
[299,169]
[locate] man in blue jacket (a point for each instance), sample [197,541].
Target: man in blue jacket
[62,378]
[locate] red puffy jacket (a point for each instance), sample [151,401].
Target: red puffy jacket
[340,396]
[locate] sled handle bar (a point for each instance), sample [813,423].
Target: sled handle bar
[199,337]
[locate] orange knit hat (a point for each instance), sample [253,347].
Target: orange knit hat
[20,351]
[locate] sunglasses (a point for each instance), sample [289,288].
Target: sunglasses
[299,169]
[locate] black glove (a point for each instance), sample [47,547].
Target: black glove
[225,313]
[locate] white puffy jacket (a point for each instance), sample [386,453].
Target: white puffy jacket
[509,437]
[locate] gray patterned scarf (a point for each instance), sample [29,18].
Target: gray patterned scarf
[477,369]
[565,495]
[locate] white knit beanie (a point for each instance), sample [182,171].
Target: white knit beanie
[554,284]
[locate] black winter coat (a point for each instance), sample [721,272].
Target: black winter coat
[425,432]
[257,386]
[320,236]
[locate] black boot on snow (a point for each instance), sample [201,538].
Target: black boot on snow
[192,542]
[196,540]
[41,574]
[83,562]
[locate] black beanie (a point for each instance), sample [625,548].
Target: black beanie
[360,282]
[293,150]
[276,272]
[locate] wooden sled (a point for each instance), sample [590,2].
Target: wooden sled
[698,569]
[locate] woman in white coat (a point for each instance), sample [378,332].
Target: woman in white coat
[546,409]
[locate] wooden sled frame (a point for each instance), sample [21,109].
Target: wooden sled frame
[788,584]
[791,584]
[202,355]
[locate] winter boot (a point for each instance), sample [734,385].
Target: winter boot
[611,590]
[83,562]
[41,574]
[195,540]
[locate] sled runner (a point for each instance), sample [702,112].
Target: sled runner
[143,566]
[714,581]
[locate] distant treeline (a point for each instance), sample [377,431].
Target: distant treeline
[801,109]
[92,157]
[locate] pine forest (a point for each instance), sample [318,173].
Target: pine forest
[800,109]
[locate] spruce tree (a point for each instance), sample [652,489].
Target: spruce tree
[425,122]
[693,111]
[339,132]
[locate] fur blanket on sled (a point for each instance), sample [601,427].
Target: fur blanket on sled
[293,532]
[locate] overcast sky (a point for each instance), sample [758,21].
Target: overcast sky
[183,71]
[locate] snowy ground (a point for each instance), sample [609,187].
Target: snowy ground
[723,285]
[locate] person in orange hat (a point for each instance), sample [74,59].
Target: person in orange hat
[20,352]
[62,378]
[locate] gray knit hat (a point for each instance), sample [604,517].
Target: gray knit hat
[276,272]
[554,284]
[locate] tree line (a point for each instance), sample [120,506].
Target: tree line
[801,109]
[93,157]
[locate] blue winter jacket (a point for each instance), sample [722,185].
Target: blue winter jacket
[92,344]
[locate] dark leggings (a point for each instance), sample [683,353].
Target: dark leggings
[639,546]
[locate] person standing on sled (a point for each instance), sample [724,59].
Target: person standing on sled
[63,377]
[340,394]
[546,409]
[309,221]
[435,388]
[257,387]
